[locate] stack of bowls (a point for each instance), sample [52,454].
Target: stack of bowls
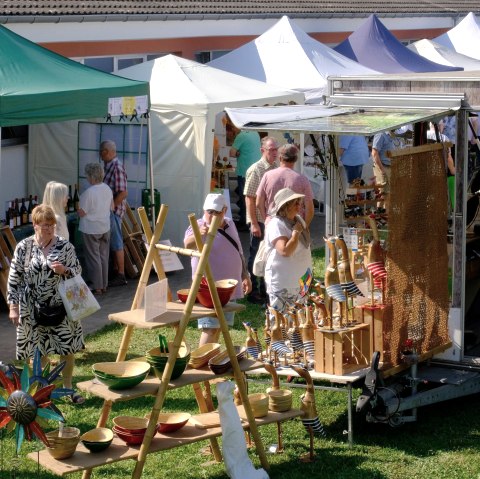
[200,357]
[171,422]
[221,363]
[97,439]
[130,429]
[279,400]
[158,360]
[225,289]
[121,374]
[259,404]
[63,444]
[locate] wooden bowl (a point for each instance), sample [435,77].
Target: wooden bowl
[64,446]
[97,439]
[171,422]
[200,356]
[259,404]
[129,439]
[130,424]
[221,363]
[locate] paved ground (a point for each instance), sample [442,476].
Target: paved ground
[120,298]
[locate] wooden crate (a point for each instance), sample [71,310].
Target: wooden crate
[342,351]
[373,316]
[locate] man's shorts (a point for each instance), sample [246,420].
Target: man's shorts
[116,237]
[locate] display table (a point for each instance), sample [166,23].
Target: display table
[343,384]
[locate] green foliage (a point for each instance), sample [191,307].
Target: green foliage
[442,444]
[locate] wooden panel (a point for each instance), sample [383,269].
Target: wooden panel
[373,316]
[7,248]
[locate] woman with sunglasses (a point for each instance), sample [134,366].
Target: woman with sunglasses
[38,266]
[226,259]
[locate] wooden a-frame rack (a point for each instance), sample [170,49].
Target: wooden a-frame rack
[203,251]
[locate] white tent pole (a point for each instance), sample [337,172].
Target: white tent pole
[138,163]
[150,159]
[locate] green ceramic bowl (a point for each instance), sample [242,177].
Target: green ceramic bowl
[97,439]
[122,383]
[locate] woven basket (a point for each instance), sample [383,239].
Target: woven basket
[64,446]
[280,400]
[259,404]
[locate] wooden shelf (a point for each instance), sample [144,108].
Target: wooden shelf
[119,451]
[150,385]
[175,311]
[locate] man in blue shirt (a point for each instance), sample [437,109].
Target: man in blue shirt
[354,153]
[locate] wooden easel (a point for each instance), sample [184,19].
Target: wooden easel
[203,269]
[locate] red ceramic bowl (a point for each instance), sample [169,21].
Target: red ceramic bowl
[225,289]
[171,422]
[132,425]
[130,439]
[182,295]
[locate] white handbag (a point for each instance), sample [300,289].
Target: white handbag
[260,261]
[77,298]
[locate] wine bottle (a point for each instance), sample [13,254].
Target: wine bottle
[9,216]
[23,213]
[70,208]
[30,209]
[76,198]
[16,212]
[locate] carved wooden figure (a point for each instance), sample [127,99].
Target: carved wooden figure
[308,335]
[278,345]
[250,343]
[376,258]
[332,278]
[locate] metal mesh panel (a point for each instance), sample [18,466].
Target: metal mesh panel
[417,300]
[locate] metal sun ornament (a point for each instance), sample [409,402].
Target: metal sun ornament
[26,401]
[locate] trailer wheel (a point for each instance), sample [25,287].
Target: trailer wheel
[395,420]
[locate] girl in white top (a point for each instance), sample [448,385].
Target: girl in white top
[56,196]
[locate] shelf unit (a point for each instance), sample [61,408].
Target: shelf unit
[356,196]
[177,316]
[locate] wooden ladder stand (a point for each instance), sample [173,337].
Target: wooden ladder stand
[203,269]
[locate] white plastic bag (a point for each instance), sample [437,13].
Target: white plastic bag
[260,260]
[77,298]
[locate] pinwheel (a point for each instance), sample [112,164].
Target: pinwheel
[26,401]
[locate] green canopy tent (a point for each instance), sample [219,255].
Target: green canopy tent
[39,86]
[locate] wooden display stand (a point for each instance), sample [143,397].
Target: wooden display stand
[177,315]
[373,316]
[341,351]
[7,248]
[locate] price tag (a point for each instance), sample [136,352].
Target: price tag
[350,235]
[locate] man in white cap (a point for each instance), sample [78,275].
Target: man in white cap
[226,259]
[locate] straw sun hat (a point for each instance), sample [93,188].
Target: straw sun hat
[284,196]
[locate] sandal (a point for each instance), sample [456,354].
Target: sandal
[97,292]
[76,398]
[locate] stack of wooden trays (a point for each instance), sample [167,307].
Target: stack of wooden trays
[221,363]
[200,357]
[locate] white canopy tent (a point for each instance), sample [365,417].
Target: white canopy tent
[464,38]
[445,56]
[287,57]
[185,97]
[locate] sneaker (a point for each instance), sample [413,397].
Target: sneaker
[118,280]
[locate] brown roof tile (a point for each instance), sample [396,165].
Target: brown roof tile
[276,8]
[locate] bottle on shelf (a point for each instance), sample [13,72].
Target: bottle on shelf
[69,208]
[16,212]
[23,213]
[30,209]
[76,199]
[10,217]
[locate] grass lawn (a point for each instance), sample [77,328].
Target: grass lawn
[443,444]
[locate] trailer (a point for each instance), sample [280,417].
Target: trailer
[366,105]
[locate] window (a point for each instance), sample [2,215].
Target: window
[105,64]
[115,63]
[206,56]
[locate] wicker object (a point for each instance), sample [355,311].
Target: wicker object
[63,445]
[259,404]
